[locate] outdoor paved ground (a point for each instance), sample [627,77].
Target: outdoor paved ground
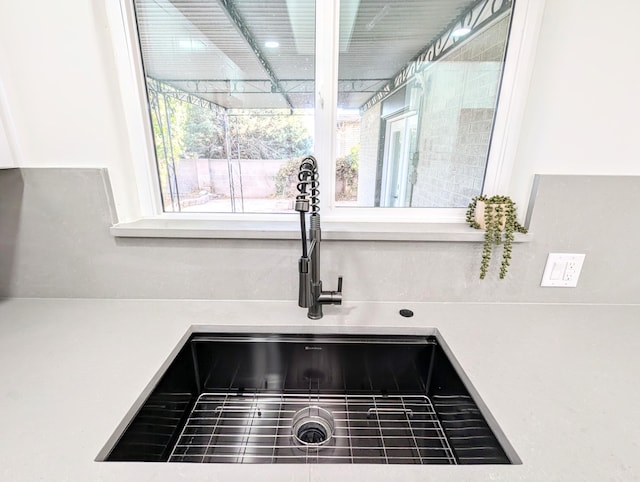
[246,205]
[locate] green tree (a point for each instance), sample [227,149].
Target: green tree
[347,175]
[183,130]
[269,134]
[253,134]
[203,133]
[167,118]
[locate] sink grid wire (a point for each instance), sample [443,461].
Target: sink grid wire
[256,428]
[468,433]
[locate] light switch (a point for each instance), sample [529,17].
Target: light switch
[562,270]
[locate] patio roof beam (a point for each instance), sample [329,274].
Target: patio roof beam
[237,20]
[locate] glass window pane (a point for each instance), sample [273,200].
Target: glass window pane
[418,87]
[231,97]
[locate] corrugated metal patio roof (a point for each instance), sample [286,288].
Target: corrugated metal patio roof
[211,48]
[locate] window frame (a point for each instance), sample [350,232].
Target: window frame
[518,67]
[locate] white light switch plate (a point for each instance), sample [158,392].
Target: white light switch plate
[562,269]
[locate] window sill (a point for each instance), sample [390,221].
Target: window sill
[338,231]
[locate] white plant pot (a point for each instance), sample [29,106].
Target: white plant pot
[480,214]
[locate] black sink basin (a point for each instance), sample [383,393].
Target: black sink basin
[281,398]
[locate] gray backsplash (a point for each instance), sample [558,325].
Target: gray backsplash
[55,242]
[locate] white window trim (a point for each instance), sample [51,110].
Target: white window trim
[391,222]
[121,18]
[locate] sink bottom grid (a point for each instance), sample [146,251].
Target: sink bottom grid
[258,428]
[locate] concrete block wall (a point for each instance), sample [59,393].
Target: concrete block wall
[456,120]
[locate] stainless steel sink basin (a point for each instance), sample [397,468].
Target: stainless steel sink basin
[281,398]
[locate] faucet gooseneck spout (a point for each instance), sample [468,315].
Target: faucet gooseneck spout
[310,293]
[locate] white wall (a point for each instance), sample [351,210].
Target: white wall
[583,110]
[582,116]
[62,88]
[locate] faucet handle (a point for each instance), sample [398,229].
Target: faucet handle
[331,297]
[335,297]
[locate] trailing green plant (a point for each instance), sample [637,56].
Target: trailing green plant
[500,225]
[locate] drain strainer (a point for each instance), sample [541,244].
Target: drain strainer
[312,427]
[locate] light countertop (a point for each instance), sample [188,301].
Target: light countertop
[561,381]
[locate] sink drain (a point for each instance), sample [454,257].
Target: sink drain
[312,427]
[312,433]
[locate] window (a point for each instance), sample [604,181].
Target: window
[427,126]
[398,101]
